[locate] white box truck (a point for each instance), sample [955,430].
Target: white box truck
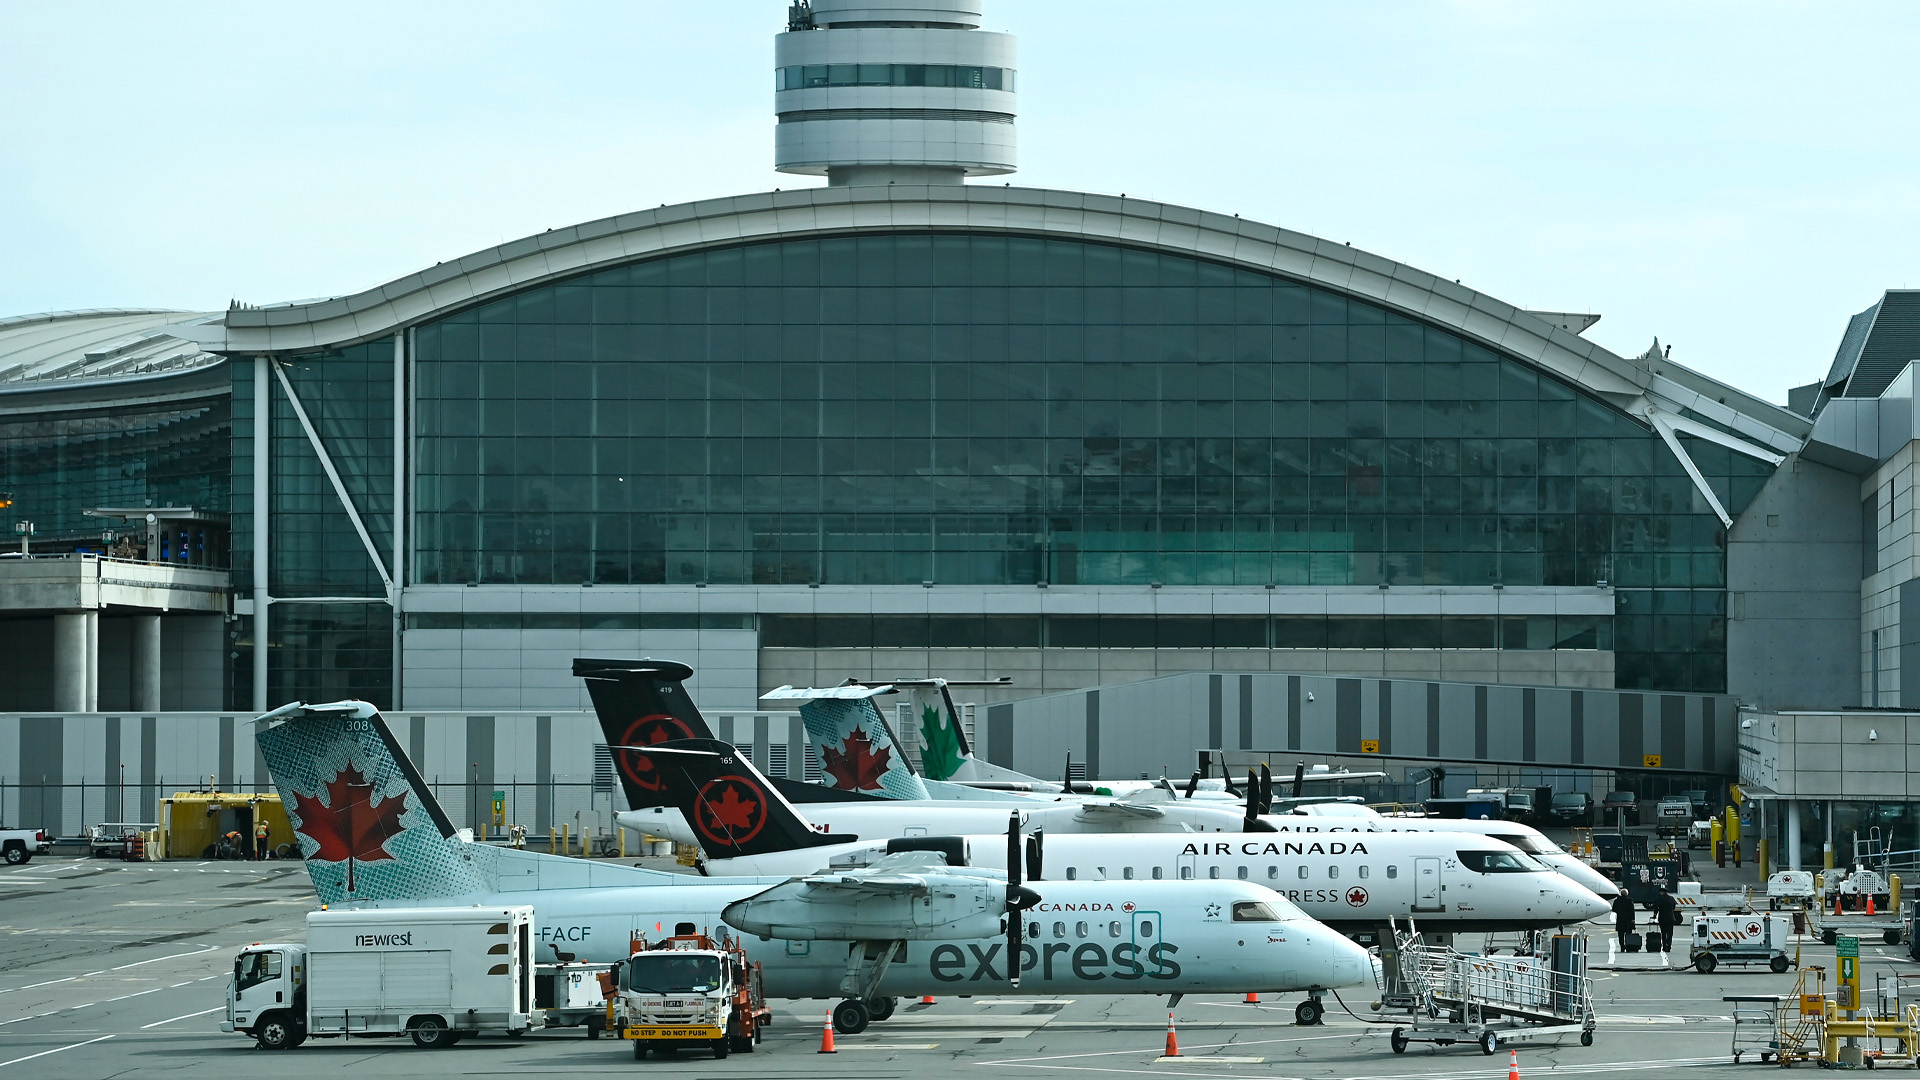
[437,974]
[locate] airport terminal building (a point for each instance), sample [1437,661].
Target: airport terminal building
[903,425]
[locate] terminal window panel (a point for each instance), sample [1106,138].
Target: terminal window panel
[960,409]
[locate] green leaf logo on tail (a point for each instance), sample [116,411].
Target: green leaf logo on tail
[940,746]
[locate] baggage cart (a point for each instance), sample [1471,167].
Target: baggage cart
[1452,997]
[1756,1024]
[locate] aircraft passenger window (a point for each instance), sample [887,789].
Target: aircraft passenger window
[1186,873]
[1303,872]
[1126,872]
[1273,873]
[1213,872]
[1243,873]
[1033,929]
[1365,870]
[1079,929]
[1099,873]
[1494,862]
[1146,928]
[1156,873]
[1253,911]
[1333,872]
[1073,873]
[1393,871]
[1059,929]
[1113,928]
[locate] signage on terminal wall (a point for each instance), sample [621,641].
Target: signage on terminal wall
[1651,761]
[1369,746]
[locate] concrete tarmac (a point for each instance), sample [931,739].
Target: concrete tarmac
[120,970]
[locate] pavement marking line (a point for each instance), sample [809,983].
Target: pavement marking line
[157,959]
[58,1049]
[1189,1060]
[189,1016]
[30,986]
[889,1046]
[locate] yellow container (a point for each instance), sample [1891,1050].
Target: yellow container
[192,822]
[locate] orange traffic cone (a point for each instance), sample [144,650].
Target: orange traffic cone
[1513,1065]
[1836,903]
[928,1000]
[1252,998]
[1173,1042]
[826,1036]
[1869,903]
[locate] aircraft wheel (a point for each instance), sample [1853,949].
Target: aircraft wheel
[1398,1040]
[881,1008]
[850,1017]
[1308,1012]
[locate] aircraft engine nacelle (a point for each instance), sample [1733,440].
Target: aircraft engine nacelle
[855,909]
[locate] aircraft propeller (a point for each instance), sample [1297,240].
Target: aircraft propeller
[1019,899]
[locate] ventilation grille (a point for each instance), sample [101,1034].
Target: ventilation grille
[777,759]
[602,769]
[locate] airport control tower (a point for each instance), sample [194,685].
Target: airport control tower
[901,92]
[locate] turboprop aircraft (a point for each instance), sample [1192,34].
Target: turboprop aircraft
[641,702]
[1448,883]
[372,834]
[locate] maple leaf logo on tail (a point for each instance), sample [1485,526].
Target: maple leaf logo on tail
[349,824]
[940,745]
[731,811]
[855,766]
[645,731]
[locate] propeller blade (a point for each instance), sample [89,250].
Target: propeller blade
[1299,779]
[1035,843]
[1017,900]
[1266,789]
[1013,852]
[1206,765]
[1193,783]
[1253,801]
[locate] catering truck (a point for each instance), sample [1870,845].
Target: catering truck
[436,974]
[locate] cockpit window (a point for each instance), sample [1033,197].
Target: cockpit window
[1253,911]
[1525,843]
[1497,862]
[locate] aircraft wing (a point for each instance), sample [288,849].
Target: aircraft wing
[1117,811]
[912,896]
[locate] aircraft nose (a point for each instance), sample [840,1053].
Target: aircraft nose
[1348,964]
[1582,904]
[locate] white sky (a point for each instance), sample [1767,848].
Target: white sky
[1737,178]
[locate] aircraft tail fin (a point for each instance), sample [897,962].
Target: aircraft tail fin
[945,751]
[857,747]
[639,703]
[733,809]
[367,825]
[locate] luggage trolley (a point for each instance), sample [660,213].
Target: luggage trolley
[1756,1019]
[1453,997]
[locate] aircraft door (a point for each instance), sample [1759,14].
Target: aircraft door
[1427,885]
[1147,933]
[1184,867]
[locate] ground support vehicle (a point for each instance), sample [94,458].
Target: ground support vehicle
[1755,1024]
[1789,887]
[19,845]
[1674,816]
[1740,939]
[113,837]
[1571,808]
[436,974]
[689,991]
[1452,997]
[573,995]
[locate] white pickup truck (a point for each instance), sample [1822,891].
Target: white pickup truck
[19,845]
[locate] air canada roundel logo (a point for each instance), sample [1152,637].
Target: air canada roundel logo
[1356,897]
[730,810]
[1753,929]
[647,730]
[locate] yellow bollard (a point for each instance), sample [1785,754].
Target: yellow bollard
[1893,893]
[623,842]
[566,838]
[1760,858]
[553,841]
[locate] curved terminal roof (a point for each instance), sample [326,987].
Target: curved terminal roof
[1641,386]
[66,349]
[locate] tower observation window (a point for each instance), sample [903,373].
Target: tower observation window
[964,76]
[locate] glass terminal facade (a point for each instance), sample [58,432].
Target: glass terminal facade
[968,76]
[974,409]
